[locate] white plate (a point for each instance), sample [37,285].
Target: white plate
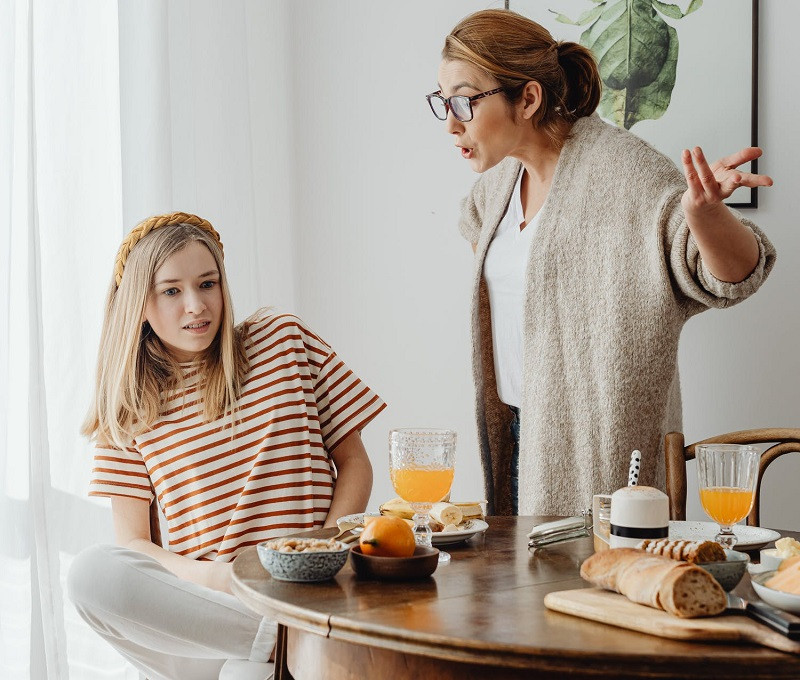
[475,526]
[357,519]
[777,598]
[749,538]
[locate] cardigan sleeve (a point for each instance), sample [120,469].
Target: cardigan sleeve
[471,218]
[691,274]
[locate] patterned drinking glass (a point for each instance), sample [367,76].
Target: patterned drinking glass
[727,475]
[422,463]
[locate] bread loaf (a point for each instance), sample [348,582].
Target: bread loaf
[679,588]
[697,552]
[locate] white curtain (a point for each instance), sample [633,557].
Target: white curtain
[108,114]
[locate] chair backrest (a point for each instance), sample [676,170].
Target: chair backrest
[155,524]
[783,440]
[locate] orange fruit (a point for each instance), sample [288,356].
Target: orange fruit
[387,537]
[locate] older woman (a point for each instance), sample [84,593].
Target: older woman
[592,251]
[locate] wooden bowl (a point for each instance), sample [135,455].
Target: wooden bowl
[420,565]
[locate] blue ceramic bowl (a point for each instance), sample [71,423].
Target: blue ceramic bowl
[729,572]
[303,566]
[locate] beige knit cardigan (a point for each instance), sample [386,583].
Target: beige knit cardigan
[613,274]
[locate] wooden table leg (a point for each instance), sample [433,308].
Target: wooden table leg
[281,666]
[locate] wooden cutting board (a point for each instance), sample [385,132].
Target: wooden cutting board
[617,610]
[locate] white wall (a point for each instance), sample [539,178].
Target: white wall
[207,120]
[740,367]
[386,274]
[301,127]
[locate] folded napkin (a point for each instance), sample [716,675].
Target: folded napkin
[565,529]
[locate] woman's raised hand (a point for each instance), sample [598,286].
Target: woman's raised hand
[709,185]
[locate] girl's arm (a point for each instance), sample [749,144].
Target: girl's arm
[132,530]
[353,479]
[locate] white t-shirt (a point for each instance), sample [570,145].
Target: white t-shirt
[504,270]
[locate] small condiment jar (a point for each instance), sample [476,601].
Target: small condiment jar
[601,514]
[638,512]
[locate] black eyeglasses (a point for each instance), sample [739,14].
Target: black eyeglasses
[460,105]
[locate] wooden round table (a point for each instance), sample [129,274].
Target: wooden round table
[481,616]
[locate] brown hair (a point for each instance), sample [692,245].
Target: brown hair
[514,50]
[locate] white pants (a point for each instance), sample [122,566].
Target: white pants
[168,628]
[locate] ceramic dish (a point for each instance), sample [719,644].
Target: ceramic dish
[748,538]
[420,565]
[303,566]
[770,559]
[777,598]
[472,528]
[754,569]
[730,572]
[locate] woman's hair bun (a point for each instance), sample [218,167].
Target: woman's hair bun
[583,79]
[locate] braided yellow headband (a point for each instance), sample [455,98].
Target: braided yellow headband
[144,228]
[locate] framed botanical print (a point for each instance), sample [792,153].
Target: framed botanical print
[678,75]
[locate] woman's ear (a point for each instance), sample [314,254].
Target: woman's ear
[531,99]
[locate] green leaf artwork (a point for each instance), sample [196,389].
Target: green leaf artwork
[636,52]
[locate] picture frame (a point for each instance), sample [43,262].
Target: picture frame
[714,100]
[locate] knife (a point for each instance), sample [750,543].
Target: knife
[781,621]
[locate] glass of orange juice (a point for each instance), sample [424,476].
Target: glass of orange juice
[727,475]
[422,463]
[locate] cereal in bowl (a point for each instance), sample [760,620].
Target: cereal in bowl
[306,545]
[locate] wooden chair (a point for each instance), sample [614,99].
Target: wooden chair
[783,440]
[155,524]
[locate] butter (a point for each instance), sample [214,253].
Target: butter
[787,547]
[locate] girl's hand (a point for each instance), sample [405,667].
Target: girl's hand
[710,185]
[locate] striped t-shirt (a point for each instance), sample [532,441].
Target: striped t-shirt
[298,401]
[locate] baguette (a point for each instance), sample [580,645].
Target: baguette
[697,552]
[680,588]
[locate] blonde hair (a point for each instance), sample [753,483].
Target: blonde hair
[514,50]
[135,371]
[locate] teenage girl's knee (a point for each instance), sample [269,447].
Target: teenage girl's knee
[94,576]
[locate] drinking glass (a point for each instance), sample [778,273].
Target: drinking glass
[421,463]
[727,475]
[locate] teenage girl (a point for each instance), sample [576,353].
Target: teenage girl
[242,433]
